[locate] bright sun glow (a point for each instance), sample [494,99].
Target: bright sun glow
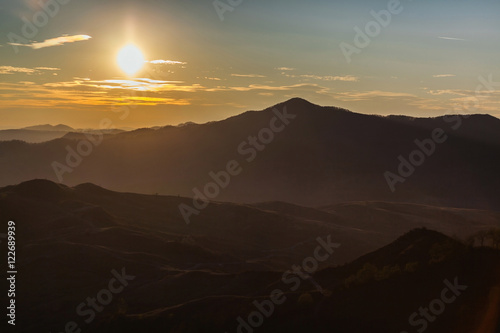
[130,59]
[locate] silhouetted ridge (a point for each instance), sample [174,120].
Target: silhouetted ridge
[298,102]
[39,188]
[422,233]
[313,156]
[303,108]
[47,127]
[91,188]
[418,245]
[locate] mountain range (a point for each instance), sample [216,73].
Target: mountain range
[44,133]
[296,218]
[320,156]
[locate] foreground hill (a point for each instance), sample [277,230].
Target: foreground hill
[255,235]
[323,155]
[394,289]
[201,277]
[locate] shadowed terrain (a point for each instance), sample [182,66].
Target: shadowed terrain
[205,275]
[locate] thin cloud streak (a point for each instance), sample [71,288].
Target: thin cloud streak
[451,38]
[48,68]
[55,41]
[248,75]
[166,62]
[444,75]
[347,78]
[7,70]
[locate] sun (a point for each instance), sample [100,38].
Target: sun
[130,59]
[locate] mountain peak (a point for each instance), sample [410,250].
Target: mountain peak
[297,102]
[90,188]
[39,188]
[415,245]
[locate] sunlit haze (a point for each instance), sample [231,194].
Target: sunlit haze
[81,64]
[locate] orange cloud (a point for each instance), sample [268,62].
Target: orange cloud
[247,75]
[13,70]
[76,95]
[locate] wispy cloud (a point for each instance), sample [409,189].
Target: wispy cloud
[85,92]
[75,95]
[252,87]
[211,78]
[285,69]
[462,92]
[139,84]
[368,95]
[345,78]
[247,75]
[451,38]
[48,68]
[166,62]
[444,75]
[23,70]
[55,41]
[448,92]
[13,70]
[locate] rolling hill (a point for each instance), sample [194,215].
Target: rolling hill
[182,278]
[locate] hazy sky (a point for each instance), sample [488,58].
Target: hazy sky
[425,62]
